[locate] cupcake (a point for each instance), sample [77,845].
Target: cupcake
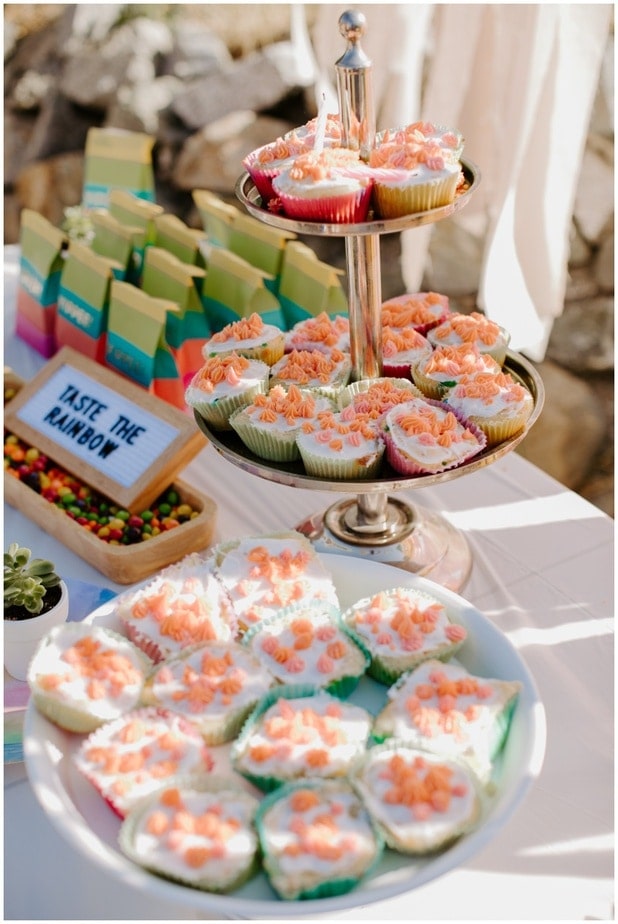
[269,425]
[341,445]
[447,365]
[223,384]
[472,330]
[425,437]
[496,404]
[411,176]
[265,574]
[131,757]
[402,349]
[449,139]
[199,833]
[266,162]
[321,333]
[422,803]
[82,676]
[311,369]
[401,628]
[215,686]
[332,186]
[300,732]
[182,606]
[420,310]
[307,643]
[374,397]
[317,839]
[445,709]
[249,337]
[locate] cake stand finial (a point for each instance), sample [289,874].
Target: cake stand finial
[354,86]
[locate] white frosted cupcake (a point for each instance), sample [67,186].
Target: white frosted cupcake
[317,839]
[420,310]
[215,686]
[266,162]
[332,185]
[313,370]
[300,732]
[403,349]
[445,709]
[82,676]
[374,397]
[321,333]
[182,606]
[450,140]
[447,365]
[249,337]
[199,833]
[425,437]
[497,404]
[307,643]
[421,802]
[269,425]
[472,330]
[223,384]
[344,445]
[411,177]
[401,628]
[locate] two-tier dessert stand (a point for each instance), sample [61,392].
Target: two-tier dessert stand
[370,521]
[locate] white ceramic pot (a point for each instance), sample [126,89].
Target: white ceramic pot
[22,637]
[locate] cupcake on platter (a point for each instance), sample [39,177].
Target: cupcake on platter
[449,139]
[269,425]
[341,445]
[447,365]
[443,708]
[374,397]
[249,337]
[215,686]
[223,384]
[402,349]
[317,839]
[82,676]
[496,404]
[266,162]
[472,330]
[420,310]
[332,185]
[314,370]
[422,803]
[321,333]
[401,628]
[198,832]
[425,437]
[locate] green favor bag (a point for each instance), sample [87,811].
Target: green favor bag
[309,287]
[234,289]
[261,246]
[117,159]
[216,215]
[115,241]
[172,234]
[134,212]
[41,260]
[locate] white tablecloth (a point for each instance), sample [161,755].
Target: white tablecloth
[543,565]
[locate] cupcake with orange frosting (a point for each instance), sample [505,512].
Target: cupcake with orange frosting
[421,802]
[321,333]
[472,330]
[420,310]
[314,370]
[341,445]
[496,404]
[447,365]
[223,384]
[374,397]
[403,349]
[266,162]
[332,186]
[249,337]
[425,437]
[269,425]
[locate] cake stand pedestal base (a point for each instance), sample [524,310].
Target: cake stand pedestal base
[388,530]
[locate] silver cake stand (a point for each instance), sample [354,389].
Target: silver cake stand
[370,521]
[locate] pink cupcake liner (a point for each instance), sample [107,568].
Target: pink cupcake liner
[346,209]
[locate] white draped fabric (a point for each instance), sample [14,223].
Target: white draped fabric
[519,81]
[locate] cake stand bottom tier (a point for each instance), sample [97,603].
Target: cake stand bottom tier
[412,538]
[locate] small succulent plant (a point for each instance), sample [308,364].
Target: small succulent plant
[27,581]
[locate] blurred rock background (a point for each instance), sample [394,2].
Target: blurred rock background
[211,82]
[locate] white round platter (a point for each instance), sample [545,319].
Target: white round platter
[80,815]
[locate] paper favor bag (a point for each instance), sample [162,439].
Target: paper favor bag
[83,301]
[173,235]
[234,289]
[139,214]
[114,241]
[42,248]
[261,246]
[187,330]
[117,159]
[309,287]
[216,216]
[136,344]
